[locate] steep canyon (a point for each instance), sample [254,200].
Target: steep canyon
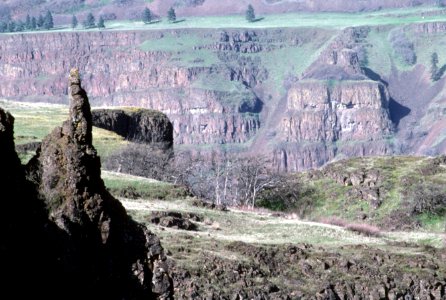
[301,96]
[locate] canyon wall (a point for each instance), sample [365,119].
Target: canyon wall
[321,122]
[118,72]
[300,96]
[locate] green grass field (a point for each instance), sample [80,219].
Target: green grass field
[33,121]
[322,20]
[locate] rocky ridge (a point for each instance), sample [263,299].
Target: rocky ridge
[141,125]
[89,244]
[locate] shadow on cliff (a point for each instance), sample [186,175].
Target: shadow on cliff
[255,106]
[397,110]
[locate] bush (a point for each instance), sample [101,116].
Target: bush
[402,46]
[141,160]
[426,197]
[152,191]
[287,195]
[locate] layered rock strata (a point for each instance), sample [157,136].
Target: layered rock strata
[218,87]
[334,110]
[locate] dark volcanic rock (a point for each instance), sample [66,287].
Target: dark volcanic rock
[23,229]
[62,234]
[175,220]
[141,125]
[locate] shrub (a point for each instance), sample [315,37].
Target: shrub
[141,160]
[426,198]
[287,194]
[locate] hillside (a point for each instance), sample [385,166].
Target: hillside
[395,193]
[240,254]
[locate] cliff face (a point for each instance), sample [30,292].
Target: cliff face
[348,118]
[87,242]
[123,73]
[334,111]
[347,111]
[219,87]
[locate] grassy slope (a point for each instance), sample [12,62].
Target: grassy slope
[323,20]
[218,230]
[33,121]
[262,226]
[399,177]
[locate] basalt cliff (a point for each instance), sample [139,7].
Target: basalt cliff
[63,234]
[302,97]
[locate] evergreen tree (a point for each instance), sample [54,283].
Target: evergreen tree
[48,23]
[147,16]
[33,23]
[3,26]
[250,14]
[436,73]
[171,15]
[20,26]
[11,26]
[40,21]
[89,21]
[434,66]
[74,22]
[28,22]
[101,22]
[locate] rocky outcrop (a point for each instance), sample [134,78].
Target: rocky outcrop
[354,272]
[24,229]
[347,111]
[83,238]
[151,135]
[429,28]
[322,121]
[334,110]
[137,125]
[340,59]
